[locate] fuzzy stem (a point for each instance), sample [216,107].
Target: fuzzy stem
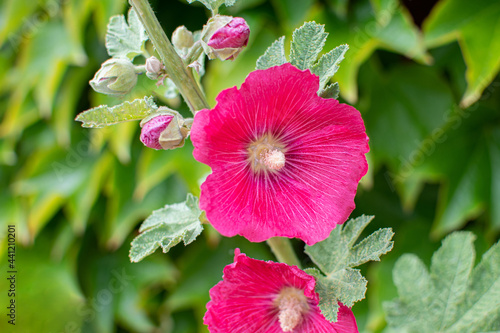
[282,249]
[174,66]
[194,53]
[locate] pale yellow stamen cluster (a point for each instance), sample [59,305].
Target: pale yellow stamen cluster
[266,154]
[273,159]
[292,305]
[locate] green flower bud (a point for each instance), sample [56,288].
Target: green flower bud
[116,77]
[154,68]
[182,38]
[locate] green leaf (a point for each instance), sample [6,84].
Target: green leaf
[477,28]
[452,297]
[125,40]
[371,25]
[331,91]
[166,227]
[127,111]
[307,43]
[371,248]
[274,55]
[214,5]
[461,154]
[49,300]
[291,13]
[328,64]
[336,256]
[409,101]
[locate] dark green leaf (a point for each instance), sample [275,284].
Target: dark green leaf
[476,26]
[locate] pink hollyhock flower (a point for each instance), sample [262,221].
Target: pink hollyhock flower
[285,162]
[258,296]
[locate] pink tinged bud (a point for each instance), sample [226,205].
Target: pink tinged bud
[154,68]
[233,35]
[151,131]
[226,37]
[166,129]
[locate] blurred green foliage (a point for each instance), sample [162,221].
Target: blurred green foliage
[430,97]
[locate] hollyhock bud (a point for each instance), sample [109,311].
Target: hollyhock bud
[154,68]
[115,77]
[182,38]
[224,37]
[166,129]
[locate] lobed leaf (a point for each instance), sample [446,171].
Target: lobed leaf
[335,257]
[166,227]
[125,40]
[328,64]
[274,55]
[307,43]
[109,115]
[482,305]
[453,297]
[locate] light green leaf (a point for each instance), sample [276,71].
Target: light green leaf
[346,286]
[328,64]
[125,40]
[477,28]
[307,43]
[214,5]
[331,91]
[335,257]
[166,227]
[452,263]
[483,296]
[453,297]
[274,55]
[127,111]
[371,248]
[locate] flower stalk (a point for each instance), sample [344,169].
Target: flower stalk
[282,249]
[174,66]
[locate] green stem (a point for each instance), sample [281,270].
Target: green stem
[282,249]
[140,69]
[194,53]
[174,66]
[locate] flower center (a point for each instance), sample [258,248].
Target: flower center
[266,154]
[292,305]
